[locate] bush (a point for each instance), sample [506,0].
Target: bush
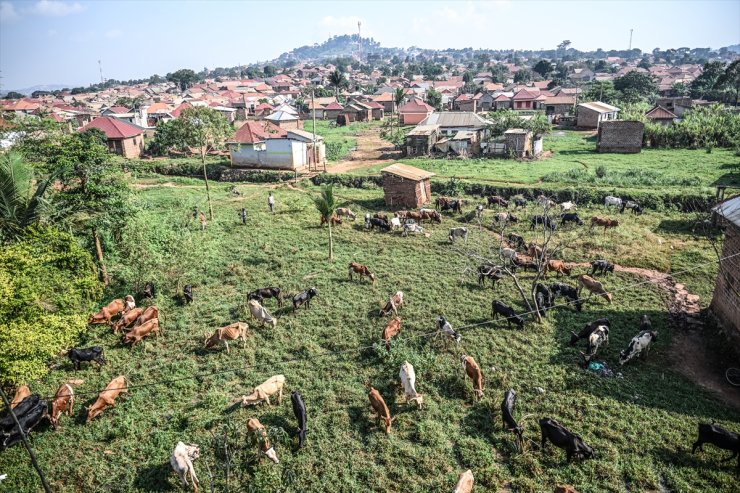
[601,171]
[48,284]
[348,180]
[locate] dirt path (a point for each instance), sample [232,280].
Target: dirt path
[371,150]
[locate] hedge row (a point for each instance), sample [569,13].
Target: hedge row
[216,172]
[348,180]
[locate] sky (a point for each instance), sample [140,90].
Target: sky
[60,42]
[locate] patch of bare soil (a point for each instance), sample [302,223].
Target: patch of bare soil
[370,150]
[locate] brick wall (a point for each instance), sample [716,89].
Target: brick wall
[622,136]
[726,301]
[401,192]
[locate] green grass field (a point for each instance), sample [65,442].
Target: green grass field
[339,140]
[642,425]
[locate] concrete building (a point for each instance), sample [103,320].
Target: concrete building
[590,115]
[123,138]
[261,144]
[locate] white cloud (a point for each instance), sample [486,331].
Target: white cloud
[8,12]
[460,19]
[113,33]
[55,8]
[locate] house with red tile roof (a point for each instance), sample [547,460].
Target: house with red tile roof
[123,138]
[528,99]
[262,144]
[414,112]
[464,102]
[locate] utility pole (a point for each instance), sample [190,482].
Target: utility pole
[630,48]
[315,153]
[25,442]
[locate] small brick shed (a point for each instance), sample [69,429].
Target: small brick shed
[406,186]
[726,300]
[621,136]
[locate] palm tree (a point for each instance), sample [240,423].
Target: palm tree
[398,98]
[20,204]
[337,80]
[325,204]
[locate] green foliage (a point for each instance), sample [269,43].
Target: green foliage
[14,95]
[505,119]
[170,136]
[635,87]
[522,76]
[184,78]
[21,200]
[325,203]
[705,85]
[47,285]
[601,171]
[543,67]
[200,127]
[499,73]
[337,81]
[434,98]
[602,91]
[702,127]
[128,102]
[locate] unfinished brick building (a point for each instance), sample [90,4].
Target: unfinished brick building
[620,136]
[406,186]
[726,300]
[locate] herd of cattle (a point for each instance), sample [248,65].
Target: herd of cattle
[136,323]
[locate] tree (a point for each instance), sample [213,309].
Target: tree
[543,67]
[563,47]
[730,79]
[602,91]
[679,89]
[14,95]
[156,79]
[434,98]
[128,102]
[325,204]
[467,77]
[522,76]
[645,63]
[635,87]
[269,70]
[398,96]
[337,81]
[499,74]
[183,78]
[705,83]
[21,201]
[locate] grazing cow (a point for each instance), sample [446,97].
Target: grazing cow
[570,218]
[150,313]
[544,202]
[458,233]
[441,202]
[138,333]
[380,408]
[149,291]
[489,272]
[264,293]
[394,302]
[545,295]
[507,414]
[398,214]
[381,215]
[127,318]
[187,292]
[64,401]
[495,199]
[432,216]
[258,312]
[501,308]
[604,222]
[93,353]
[20,393]
[373,222]
[505,217]
[454,206]
[128,304]
[254,425]
[601,266]
[479,211]
[262,392]
[557,266]
[612,201]
[639,345]
[107,398]
[360,269]
[720,438]
[299,409]
[465,482]
[105,315]
[231,332]
[559,436]
[333,220]
[568,206]
[516,240]
[28,413]
[520,201]
[568,292]
[593,286]
[391,330]
[535,251]
[472,370]
[304,298]
[445,328]
[411,228]
[599,337]
[508,253]
[346,212]
[525,262]
[588,329]
[181,461]
[545,221]
[635,207]
[396,223]
[408,381]
[416,216]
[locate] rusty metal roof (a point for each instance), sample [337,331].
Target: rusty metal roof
[424,130]
[406,171]
[730,210]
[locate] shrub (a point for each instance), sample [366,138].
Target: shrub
[601,171]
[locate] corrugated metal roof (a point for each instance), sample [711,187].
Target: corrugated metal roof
[455,119]
[423,130]
[406,171]
[599,107]
[730,210]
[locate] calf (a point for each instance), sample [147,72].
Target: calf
[258,312]
[516,240]
[525,262]
[28,413]
[505,217]
[93,353]
[264,293]
[391,330]
[536,251]
[107,398]
[373,222]
[138,333]
[181,461]
[601,266]
[479,211]
[559,436]
[393,303]
[105,315]
[360,269]
[544,221]
[465,482]
[128,304]
[408,381]
[411,228]
[432,216]
[570,218]
[333,220]
[380,408]
[520,202]
[597,338]
[346,212]
[64,401]
[150,313]
[593,286]
[261,393]
[489,272]
[458,233]
[396,223]
[604,222]
[187,292]
[20,393]
[304,298]
[557,266]
[495,199]
[507,415]
[501,308]
[260,433]
[588,329]
[719,437]
[299,409]
[472,370]
[639,345]
[445,328]
[544,297]
[149,291]
[635,207]
[231,332]
[127,319]
[568,292]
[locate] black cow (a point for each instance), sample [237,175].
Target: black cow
[93,353]
[601,266]
[243,215]
[507,414]
[546,295]
[29,412]
[588,329]
[372,222]
[645,323]
[568,292]
[520,202]
[304,298]
[516,241]
[263,293]
[720,438]
[501,308]
[453,205]
[545,221]
[489,272]
[149,291]
[299,409]
[573,444]
[570,217]
[187,292]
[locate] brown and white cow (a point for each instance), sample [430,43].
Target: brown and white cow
[64,401]
[260,313]
[129,304]
[150,313]
[127,318]
[107,398]
[105,315]
[472,370]
[231,332]
[393,303]
[356,268]
[391,330]
[138,333]
[380,408]
[593,286]
[261,393]
[20,393]
[181,461]
[346,212]
[333,220]
[254,425]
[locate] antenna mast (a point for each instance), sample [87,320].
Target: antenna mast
[359,40]
[100,66]
[631,38]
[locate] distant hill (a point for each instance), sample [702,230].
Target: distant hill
[336,46]
[734,48]
[45,87]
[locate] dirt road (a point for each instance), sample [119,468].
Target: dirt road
[371,150]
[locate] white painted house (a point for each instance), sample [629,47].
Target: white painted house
[262,144]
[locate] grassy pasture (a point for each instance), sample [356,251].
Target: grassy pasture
[339,141]
[642,425]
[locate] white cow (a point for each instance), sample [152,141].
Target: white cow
[509,253]
[458,233]
[182,462]
[412,228]
[395,223]
[261,393]
[408,380]
[568,206]
[259,312]
[444,327]
[599,337]
[611,200]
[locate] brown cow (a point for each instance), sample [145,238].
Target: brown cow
[64,401]
[232,332]
[20,393]
[603,221]
[402,214]
[441,202]
[393,303]
[534,250]
[379,406]
[432,216]
[254,425]
[472,370]
[140,332]
[557,266]
[464,482]
[414,215]
[334,220]
[360,269]
[391,330]
[105,315]
[107,398]
[381,215]
[150,313]
[127,318]
[593,286]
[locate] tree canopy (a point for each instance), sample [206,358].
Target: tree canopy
[184,78]
[635,87]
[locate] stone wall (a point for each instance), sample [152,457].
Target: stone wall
[726,301]
[622,136]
